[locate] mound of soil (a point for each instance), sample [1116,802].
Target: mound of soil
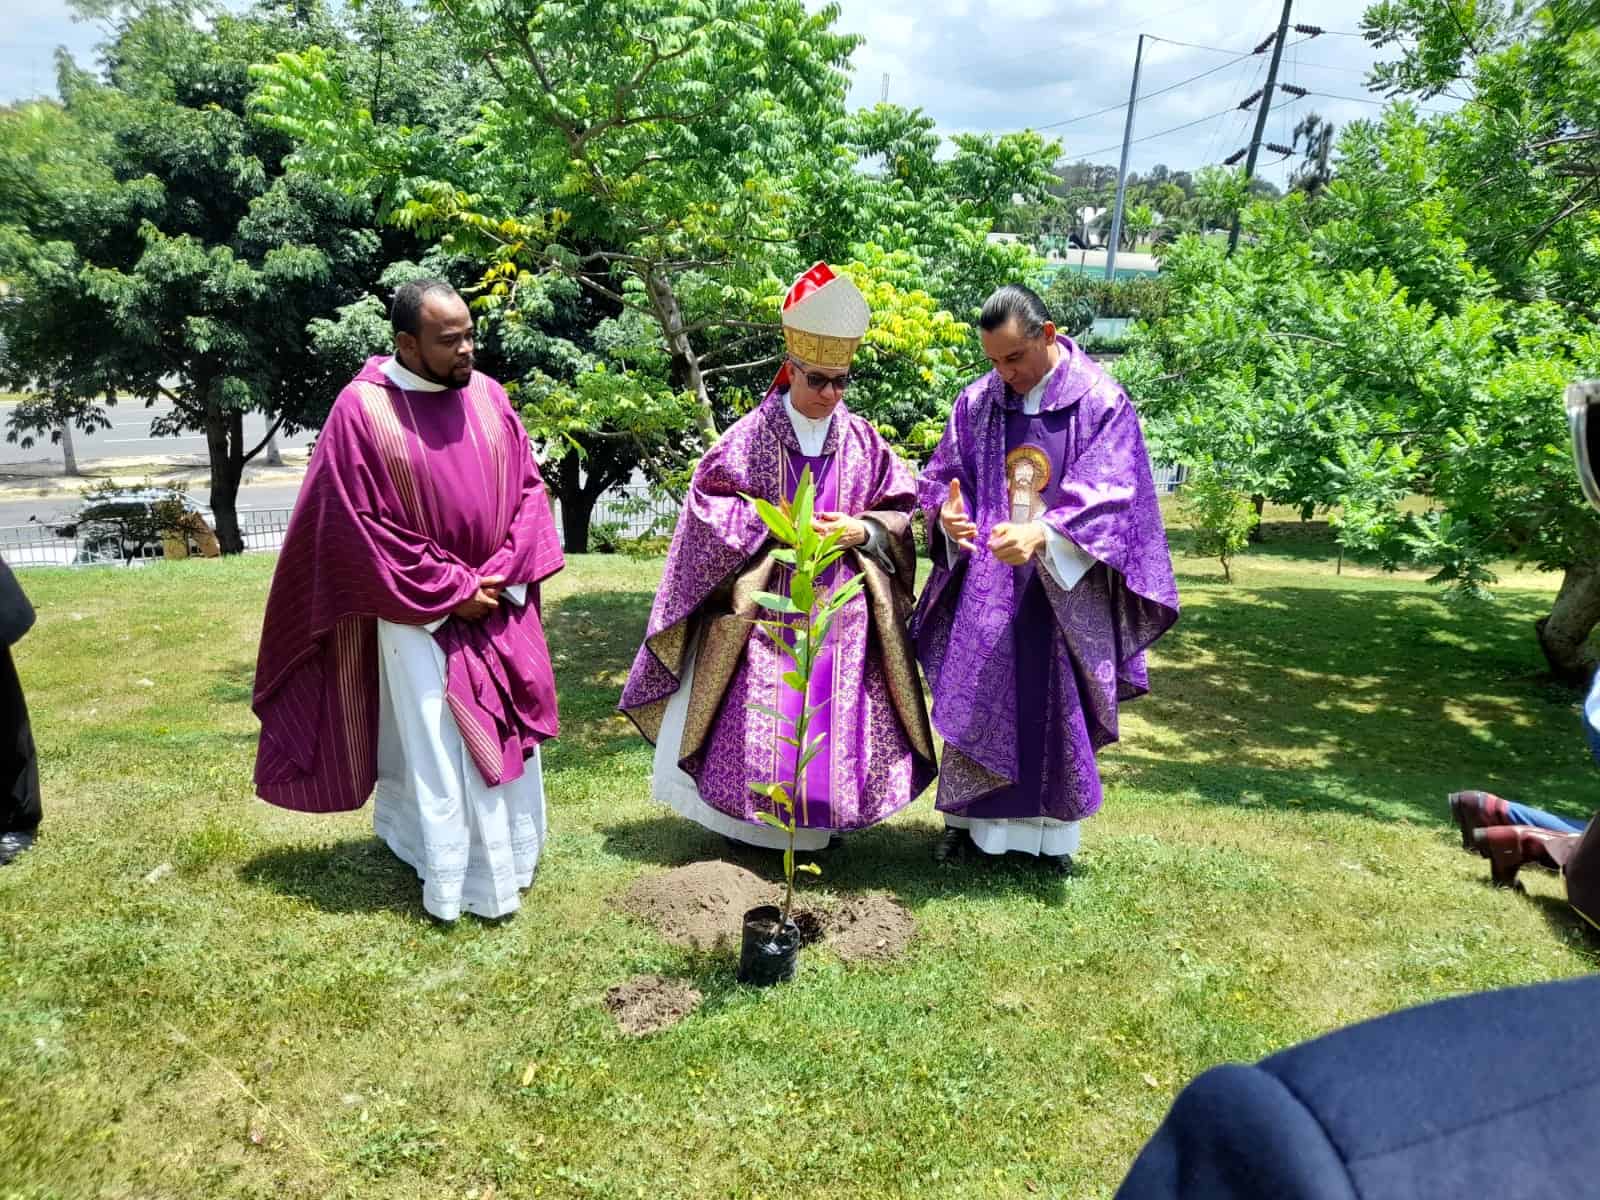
[650,1003]
[869,927]
[701,905]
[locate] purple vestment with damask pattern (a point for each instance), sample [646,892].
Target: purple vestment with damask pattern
[1026,677]
[878,750]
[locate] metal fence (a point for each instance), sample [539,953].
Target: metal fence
[1168,479]
[263,528]
[39,545]
[636,510]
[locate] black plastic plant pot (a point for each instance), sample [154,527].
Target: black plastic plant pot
[770,952]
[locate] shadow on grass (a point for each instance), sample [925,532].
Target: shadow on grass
[235,684]
[1371,700]
[353,876]
[593,638]
[894,858]
[1567,925]
[1288,541]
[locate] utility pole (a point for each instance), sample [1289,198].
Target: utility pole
[883,96]
[1261,117]
[1122,171]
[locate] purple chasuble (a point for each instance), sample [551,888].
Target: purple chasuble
[409,499]
[879,748]
[1026,677]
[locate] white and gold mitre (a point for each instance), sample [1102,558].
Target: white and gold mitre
[824,318]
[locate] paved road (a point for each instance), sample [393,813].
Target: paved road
[129,437]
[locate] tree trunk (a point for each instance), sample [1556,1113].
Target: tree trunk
[580,490]
[1259,503]
[576,509]
[274,456]
[225,444]
[685,361]
[1573,616]
[69,456]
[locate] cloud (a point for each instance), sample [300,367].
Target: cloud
[976,65]
[998,65]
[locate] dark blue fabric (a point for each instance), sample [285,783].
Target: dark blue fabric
[1475,1096]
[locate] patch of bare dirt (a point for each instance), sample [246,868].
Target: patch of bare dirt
[701,905]
[650,1003]
[869,928]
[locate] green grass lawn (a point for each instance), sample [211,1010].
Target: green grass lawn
[275,1016]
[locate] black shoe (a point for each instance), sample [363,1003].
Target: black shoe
[13,844]
[1058,864]
[952,846]
[835,841]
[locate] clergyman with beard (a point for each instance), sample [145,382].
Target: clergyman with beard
[402,653]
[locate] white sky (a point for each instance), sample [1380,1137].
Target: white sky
[995,65]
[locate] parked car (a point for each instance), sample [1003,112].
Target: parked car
[129,524]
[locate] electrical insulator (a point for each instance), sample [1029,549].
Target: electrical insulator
[1293,90]
[1266,44]
[1233,158]
[1280,148]
[1252,98]
[1309,30]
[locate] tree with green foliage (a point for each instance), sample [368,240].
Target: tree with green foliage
[163,252]
[1220,516]
[1137,223]
[637,148]
[679,171]
[1369,345]
[1314,138]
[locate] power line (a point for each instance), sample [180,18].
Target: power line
[1278,42]
[1299,62]
[1155,37]
[1143,96]
[1150,137]
[1316,66]
[1214,144]
[1099,112]
[1283,109]
[1436,112]
[1216,134]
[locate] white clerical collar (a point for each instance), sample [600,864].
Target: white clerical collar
[1032,402]
[811,432]
[409,380]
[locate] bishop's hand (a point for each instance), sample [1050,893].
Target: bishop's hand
[953,519]
[852,533]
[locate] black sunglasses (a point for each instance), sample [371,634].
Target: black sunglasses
[820,382]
